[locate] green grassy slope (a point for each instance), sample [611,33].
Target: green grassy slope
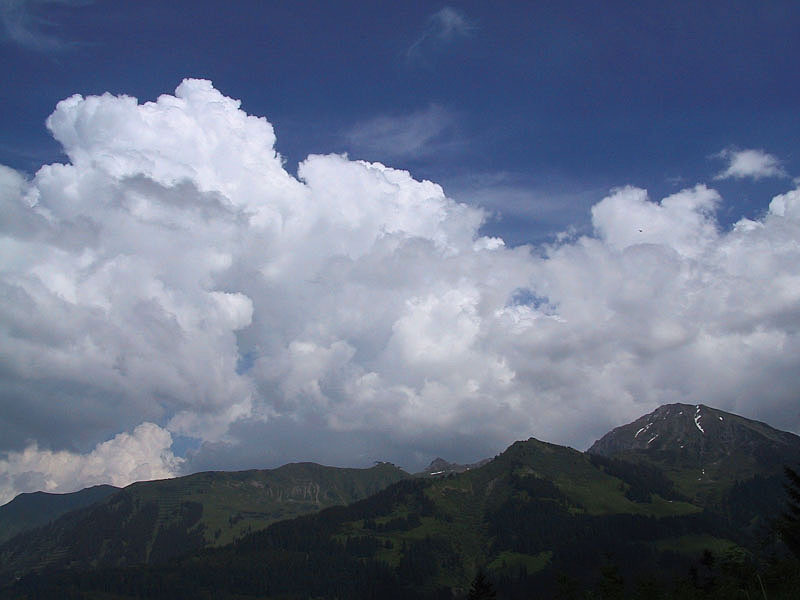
[157,520]
[535,514]
[482,515]
[536,509]
[536,517]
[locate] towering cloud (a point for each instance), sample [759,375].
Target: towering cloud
[144,454]
[173,279]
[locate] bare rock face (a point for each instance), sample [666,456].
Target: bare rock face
[721,445]
[440,466]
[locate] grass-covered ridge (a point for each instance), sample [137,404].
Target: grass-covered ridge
[157,520]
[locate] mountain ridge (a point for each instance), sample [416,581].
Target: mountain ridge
[707,421]
[440,466]
[153,521]
[32,509]
[700,447]
[537,509]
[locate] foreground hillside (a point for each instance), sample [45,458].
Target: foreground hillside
[540,519]
[154,521]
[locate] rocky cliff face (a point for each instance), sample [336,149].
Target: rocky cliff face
[440,466]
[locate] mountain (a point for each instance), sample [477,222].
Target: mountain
[156,520]
[28,511]
[440,466]
[541,520]
[702,449]
[536,510]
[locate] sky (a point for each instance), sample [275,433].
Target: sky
[235,235]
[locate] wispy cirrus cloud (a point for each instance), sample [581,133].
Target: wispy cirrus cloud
[399,136]
[523,209]
[442,28]
[27,23]
[752,163]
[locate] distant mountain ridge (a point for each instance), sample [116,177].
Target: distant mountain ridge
[153,521]
[698,429]
[31,510]
[701,447]
[440,466]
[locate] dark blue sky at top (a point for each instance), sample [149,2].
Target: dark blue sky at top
[537,109]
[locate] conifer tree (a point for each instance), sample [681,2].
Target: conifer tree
[481,588]
[789,523]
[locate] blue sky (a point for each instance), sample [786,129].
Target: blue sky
[530,107]
[617,228]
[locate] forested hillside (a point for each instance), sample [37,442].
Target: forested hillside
[151,522]
[538,521]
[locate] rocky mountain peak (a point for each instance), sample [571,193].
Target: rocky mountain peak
[701,435]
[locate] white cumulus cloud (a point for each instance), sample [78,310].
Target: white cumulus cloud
[755,164]
[142,455]
[173,276]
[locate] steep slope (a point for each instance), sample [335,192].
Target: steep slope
[440,466]
[535,510]
[28,511]
[156,520]
[702,449]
